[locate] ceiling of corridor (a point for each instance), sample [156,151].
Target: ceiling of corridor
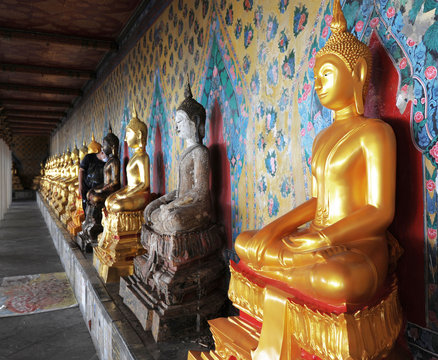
[50,52]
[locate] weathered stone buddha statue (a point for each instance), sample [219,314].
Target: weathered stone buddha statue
[325,289]
[96,196]
[188,207]
[183,266]
[119,243]
[74,225]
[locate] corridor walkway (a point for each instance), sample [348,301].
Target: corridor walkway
[26,248]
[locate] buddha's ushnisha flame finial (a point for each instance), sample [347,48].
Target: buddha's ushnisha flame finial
[92,137]
[110,130]
[134,112]
[338,24]
[188,90]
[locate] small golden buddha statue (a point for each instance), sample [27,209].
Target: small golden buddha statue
[72,186]
[123,214]
[134,196]
[297,279]
[74,225]
[94,147]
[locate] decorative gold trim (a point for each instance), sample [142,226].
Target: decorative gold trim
[367,334]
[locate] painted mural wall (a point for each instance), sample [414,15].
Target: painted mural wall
[250,63]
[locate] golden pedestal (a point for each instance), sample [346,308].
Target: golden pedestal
[118,245]
[75,224]
[310,330]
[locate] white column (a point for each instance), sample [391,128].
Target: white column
[5,178]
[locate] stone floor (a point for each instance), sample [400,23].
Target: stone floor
[26,248]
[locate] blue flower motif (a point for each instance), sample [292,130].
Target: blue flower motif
[255,83]
[238,29]
[280,142]
[273,205]
[248,35]
[261,143]
[262,54]
[271,118]
[261,185]
[272,73]
[271,162]
[282,5]
[285,188]
[258,16]
[283,42]
[229,15]
[246,64]
[272,27]
[283,102]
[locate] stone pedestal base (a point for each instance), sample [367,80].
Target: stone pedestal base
[91,228]
[178,284]
[118,245]
[366,333]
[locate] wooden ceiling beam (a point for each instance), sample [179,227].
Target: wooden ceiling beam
[45,70]
[40,89]
[33,113]
[32,119]
[27,131]
[18,102]
[83,42]
[31,127]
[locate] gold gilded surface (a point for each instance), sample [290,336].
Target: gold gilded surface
[118,245]
[366,334]
[134,196]
[342,257]
[120,241]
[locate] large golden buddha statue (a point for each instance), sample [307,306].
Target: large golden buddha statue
[325,289]
[123,214]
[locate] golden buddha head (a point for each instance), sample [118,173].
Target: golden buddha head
[94,147]
[75,154]
[194,111]
[136,131]
[343,67]
[83,151]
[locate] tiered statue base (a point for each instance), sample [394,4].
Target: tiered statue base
[91,227]
[179,282]
[300,328]
[75,224]
[118,245]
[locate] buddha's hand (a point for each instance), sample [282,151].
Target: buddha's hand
[307,242]
[151,208]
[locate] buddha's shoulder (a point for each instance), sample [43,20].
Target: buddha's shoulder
[199,150]
[375,127]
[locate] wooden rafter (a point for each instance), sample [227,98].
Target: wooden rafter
[12,102]
[33,113]
[85,42]
[31,119]
[46,70]
[40,89]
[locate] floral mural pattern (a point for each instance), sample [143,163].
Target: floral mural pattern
[256,59]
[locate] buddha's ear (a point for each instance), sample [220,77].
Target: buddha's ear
[359,76]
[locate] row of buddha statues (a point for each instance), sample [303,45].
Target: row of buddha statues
[316,283]
[166,251]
